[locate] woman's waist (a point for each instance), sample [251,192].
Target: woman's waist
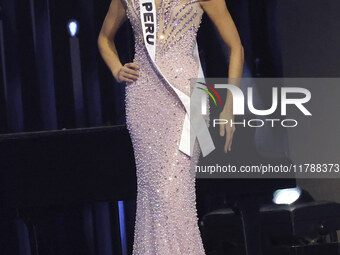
[173,64]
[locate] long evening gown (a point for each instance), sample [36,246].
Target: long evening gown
[166,216]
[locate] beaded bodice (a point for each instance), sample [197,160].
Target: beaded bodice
[177,25]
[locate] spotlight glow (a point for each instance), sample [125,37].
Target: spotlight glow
[286,196]
[73,28]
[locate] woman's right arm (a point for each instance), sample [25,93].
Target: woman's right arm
[115,17]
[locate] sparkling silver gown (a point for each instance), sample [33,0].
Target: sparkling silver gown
[166,217]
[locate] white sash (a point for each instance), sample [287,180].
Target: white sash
[198,126]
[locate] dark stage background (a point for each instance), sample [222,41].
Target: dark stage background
[37,93]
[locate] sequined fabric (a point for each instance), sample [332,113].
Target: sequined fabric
[166,217]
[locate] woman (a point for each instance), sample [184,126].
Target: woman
[166,217]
